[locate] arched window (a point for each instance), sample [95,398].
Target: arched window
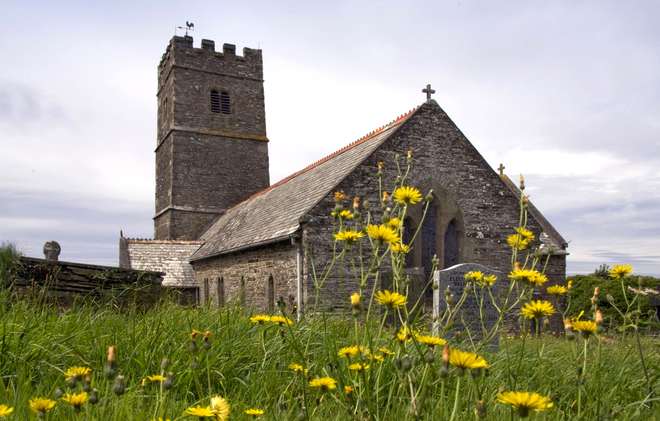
[224,99]
[215,101]
[271,293]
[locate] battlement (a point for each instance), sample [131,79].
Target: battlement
[181,52]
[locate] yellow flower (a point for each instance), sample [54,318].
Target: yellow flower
[463,360]
[156,378]
[528,276]
[487,280]
[349,390]
[41,405]
[391,300]
[221,407]
[525,401]
[355,300]
[557,290]
[5,410]
[160,419]
[377,358]
[407,195]
[260,318]
[254,412]
[526,234]
[339,196]
[349,236]
[386,351]
[76,400]
[430,340]
[324,383]
[281,320]
[350,351]
[345,214]
[394,223]
[297,367]
[473,276]
[194,334]
[400,248]
[587,327]
[620,271]
[383,234]
[358,367]
[537,309]
[404,335]
[80,372]
[517,241]
[201,412]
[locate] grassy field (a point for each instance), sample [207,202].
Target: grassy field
[248,364]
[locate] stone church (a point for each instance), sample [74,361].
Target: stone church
[223,232]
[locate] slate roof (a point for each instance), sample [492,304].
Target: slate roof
[169,256]
[550,237]
[274,214]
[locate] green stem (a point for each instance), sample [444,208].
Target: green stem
[458,388]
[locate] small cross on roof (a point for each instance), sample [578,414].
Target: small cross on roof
[428,91]
[501,168]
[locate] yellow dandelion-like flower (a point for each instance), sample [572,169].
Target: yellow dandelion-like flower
[350,351]
[528,276]
[587,327]
[348,236]
[76,400]
[430,340]
[358,367]
[391,300]
[297,368]
[487,280]
[621,271]
[385,351]
[159,419]
[349,390]
[557,290]
[339,196]
[525,402]
[537,309]
[156,378]
[194,334]
[400,248]
[377,358]
[221,406]
[383,234]
[394,223]
[5,410]
[517,241]
[355,300]
[254,412]
[201,412]
[281,320]
[345,214]
[407,195]
[473,276]
[80,372]
[526,234]
[404,335]
[41,405]
[324,384]
[464,360]
[539,279]
[260,318]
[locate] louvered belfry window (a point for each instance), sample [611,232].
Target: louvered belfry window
[224,98]
[215,101]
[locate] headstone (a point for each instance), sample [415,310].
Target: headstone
[468,319]
[52,250]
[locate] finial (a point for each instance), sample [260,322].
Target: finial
[501,169]
[428,91]
[189,27]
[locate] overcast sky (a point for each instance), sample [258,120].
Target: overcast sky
[565,92]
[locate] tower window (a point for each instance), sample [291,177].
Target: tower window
[224,97]
[215,101]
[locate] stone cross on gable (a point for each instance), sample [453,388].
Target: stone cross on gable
[501,168]
[428,91]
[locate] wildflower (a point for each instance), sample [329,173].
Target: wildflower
[88,382]
[349,390]
[254,412]
[529,276]
[599,320]
[79,372]
[377,358]
[297,367]
[462,360]
[76,400]
[350,351]
[349,236]
[193,335]
[324,383]
[221,407]
[394,223]
[344,214]
[407,195]
[385,197]
[109,370]
[119,388]
[5,410]
[385,351]
[94,397]
[355,300]
[569,285]
[383,234]
[281,320]
[537,309]
[431,341]
[358,367]
[525,401]
[403,335]
[206,344]
[200,412]
[620,271]
[557,290]
[400,248]
[260,318]
[160,419]
[391,300]
[339,196]
[156,378]
[587,327]
[41,406]
[481,409]
[473,276]
[487,280]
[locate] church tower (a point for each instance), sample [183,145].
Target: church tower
[212,149]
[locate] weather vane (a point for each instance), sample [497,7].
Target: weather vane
[189,27]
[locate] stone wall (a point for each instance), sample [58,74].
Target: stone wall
[245,276]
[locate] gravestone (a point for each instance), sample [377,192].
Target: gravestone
[468,318]
[52,250]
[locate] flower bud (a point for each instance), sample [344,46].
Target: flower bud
[385,196]
[434,286]
[599,321]
[445,356]
[481,409]
[302,415]
[568,329]
[468,288]
[355,300]
[397,157]
[406,365]
[206,343]
[119,388]
[194,364]
[169,381]
[429,196]
[94,397]
[610,299]
[71,383]
[640,281]
[58,393]
[164,365]
[443,372]
[144,385]
[397,364]
[193,346]
[109,371]
[397,182]
[88,382]
[407,280]
[429,357]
